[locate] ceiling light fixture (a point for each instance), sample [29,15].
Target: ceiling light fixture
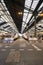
[19,13]
[41,14]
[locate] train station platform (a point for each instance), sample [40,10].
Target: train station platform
[21,52]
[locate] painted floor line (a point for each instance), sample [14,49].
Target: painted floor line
[21,49]
[3,49]
[38,49]
[7,46]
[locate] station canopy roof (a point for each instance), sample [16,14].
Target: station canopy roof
[20,15]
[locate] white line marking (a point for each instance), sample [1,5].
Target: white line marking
[30,49]
[38,49]
[7,46]
[21,49]
[3,49]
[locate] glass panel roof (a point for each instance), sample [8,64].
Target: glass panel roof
[28,3]
[29,8]
[25,10]
[39,27]
[28,18]
[35,2]
[24,16]
[40,6]
[1,20]
[6,17]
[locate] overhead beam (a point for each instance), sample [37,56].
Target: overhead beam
[2,23]
[35,11]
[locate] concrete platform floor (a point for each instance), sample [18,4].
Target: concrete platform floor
[21,52]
